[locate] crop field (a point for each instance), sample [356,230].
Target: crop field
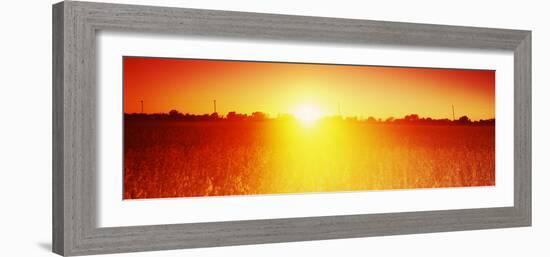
[165,158]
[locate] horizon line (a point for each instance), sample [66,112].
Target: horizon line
[282,115]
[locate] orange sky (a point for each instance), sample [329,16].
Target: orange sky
[190,86]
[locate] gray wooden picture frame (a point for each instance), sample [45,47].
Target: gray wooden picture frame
[75,25]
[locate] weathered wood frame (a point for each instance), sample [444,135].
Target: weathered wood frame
[75,25]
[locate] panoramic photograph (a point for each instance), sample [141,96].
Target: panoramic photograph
[204,128]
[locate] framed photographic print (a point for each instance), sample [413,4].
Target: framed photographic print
[182,128]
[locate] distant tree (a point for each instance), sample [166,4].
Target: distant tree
[173,113]
[371,119]
[464,120]
[390,119]
[485,122]
[236,116]
[411,117]
[259,116]
[231,115]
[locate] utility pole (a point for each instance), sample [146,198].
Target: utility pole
[215,106]
[453,112]
[141,106]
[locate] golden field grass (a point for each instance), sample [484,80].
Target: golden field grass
[215,158]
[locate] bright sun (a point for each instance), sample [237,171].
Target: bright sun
[308,114]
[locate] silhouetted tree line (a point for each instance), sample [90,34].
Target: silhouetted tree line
[174,115]
[415,119]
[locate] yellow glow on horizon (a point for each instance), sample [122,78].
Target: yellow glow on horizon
[187,85]
[308,114]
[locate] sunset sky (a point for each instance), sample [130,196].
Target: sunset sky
[191,85]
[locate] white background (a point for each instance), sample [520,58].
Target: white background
[25,128]
[114,212]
